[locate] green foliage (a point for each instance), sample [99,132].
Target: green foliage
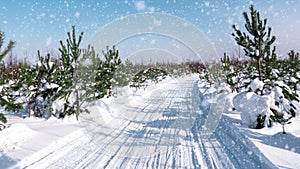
[82,82]
[68,79]
[270,64]
[231,75]
[7,49]
[69,74]
[280,117]
[9,102]
[207,74]
[7,92]
[96,75]
[124,74]
[264,64]
[152,74]
[257,43]
[3,118]
[88,64]
[39,85]
[294,71]
[106,71]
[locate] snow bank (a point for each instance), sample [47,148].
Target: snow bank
[251,106]
[14,135]
[229,102]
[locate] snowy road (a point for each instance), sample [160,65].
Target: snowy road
[157,129]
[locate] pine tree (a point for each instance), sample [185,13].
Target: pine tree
[84,83]
[4,102]
[69,76]
[230,73]
[257,44]
[88,64]
[294,70]
[124,74]
[9,47]
[106,71]
[39,86]
[258,41]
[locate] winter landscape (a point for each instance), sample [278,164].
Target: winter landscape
[106,102]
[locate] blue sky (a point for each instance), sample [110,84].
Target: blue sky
[39,25]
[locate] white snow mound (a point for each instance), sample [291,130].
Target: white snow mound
[251,105]
[256,84]
[9,139]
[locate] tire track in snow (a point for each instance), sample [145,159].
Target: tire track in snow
[158,156]
[237,146]
[155,109]
[108,145]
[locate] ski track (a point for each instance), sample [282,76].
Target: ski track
[172,120]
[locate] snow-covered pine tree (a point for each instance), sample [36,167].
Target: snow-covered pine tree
[69,74]
[257,44]
[258,41]
[231,75]
[124,74]
[6,98]
[88,64]
[9,47]
[106,71]
[153,74]
[76,89]
[39,86]
[294,70]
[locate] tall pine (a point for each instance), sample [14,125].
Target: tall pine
[258,41]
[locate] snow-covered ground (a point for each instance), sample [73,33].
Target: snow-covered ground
[178,123]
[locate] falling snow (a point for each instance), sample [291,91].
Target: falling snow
[30,23]
[42,24]
[140,5]
[77,14]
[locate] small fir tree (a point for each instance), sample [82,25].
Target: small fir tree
[39,86]
[294,70]
[230,73]
[258,41]
[69,74]
[77,89]
[9,47]
[106,71]
[5,98]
